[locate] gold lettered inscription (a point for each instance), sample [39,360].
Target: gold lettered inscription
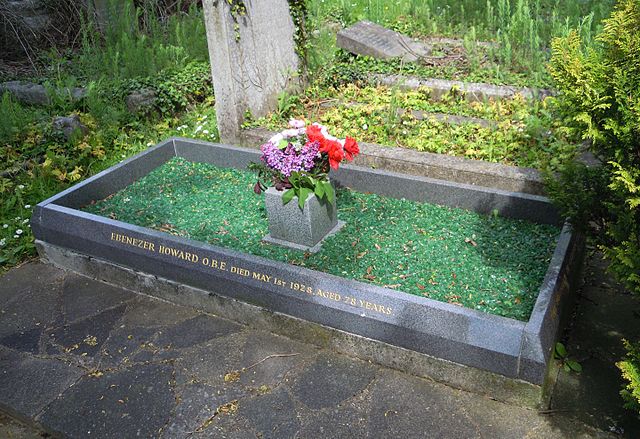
[214,263]
[177,253]
[220,265]
[135,242]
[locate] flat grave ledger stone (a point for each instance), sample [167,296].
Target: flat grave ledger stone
[237,285]
[371,39]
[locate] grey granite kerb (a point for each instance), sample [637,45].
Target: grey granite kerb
[503,346]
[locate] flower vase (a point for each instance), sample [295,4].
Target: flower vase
[300,229]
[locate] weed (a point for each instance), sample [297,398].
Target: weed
[569,365]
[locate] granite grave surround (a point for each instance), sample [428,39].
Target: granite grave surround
[506,359]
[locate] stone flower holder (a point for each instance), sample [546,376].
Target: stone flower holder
[300,229]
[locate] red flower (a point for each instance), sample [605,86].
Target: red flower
[351,148]
[335,153]
[314,134]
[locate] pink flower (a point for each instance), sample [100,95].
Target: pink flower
[297,123]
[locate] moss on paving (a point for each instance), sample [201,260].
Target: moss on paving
[491,264]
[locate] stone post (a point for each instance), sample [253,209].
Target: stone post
[253,58]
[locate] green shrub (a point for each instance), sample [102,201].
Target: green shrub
[600,102]
[175,87]
[630,368]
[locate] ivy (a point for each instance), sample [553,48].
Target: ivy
[298,10]
[237,10]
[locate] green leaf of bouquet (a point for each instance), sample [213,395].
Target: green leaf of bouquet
[319,189]
[283,144]
[288,196]
[304,194]
[328,191]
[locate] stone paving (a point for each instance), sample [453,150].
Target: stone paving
[81,359]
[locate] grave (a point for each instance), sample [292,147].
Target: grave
[472,91]
[507,359]
[371,39]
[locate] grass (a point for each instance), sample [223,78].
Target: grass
[491,264]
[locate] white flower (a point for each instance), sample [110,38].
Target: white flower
[16,236]
[2,242]
[150,144]
[205,131]
[25,221]
[5,226]
[276,139]
[365,127]
[287,134]
[204,117]
[296,123]
[20,186]
[27,206]
[19,232]
[198,128]
[326,134]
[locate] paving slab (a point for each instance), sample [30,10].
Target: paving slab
[406,407]
[272,415]
[29,384]
[134,402]
[331,380]
[198,405]
[81,298]
[85,337]
[231,381]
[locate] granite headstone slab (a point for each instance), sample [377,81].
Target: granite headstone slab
[370,39]
[253,59]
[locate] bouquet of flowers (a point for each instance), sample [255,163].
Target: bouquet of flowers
[298,160]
